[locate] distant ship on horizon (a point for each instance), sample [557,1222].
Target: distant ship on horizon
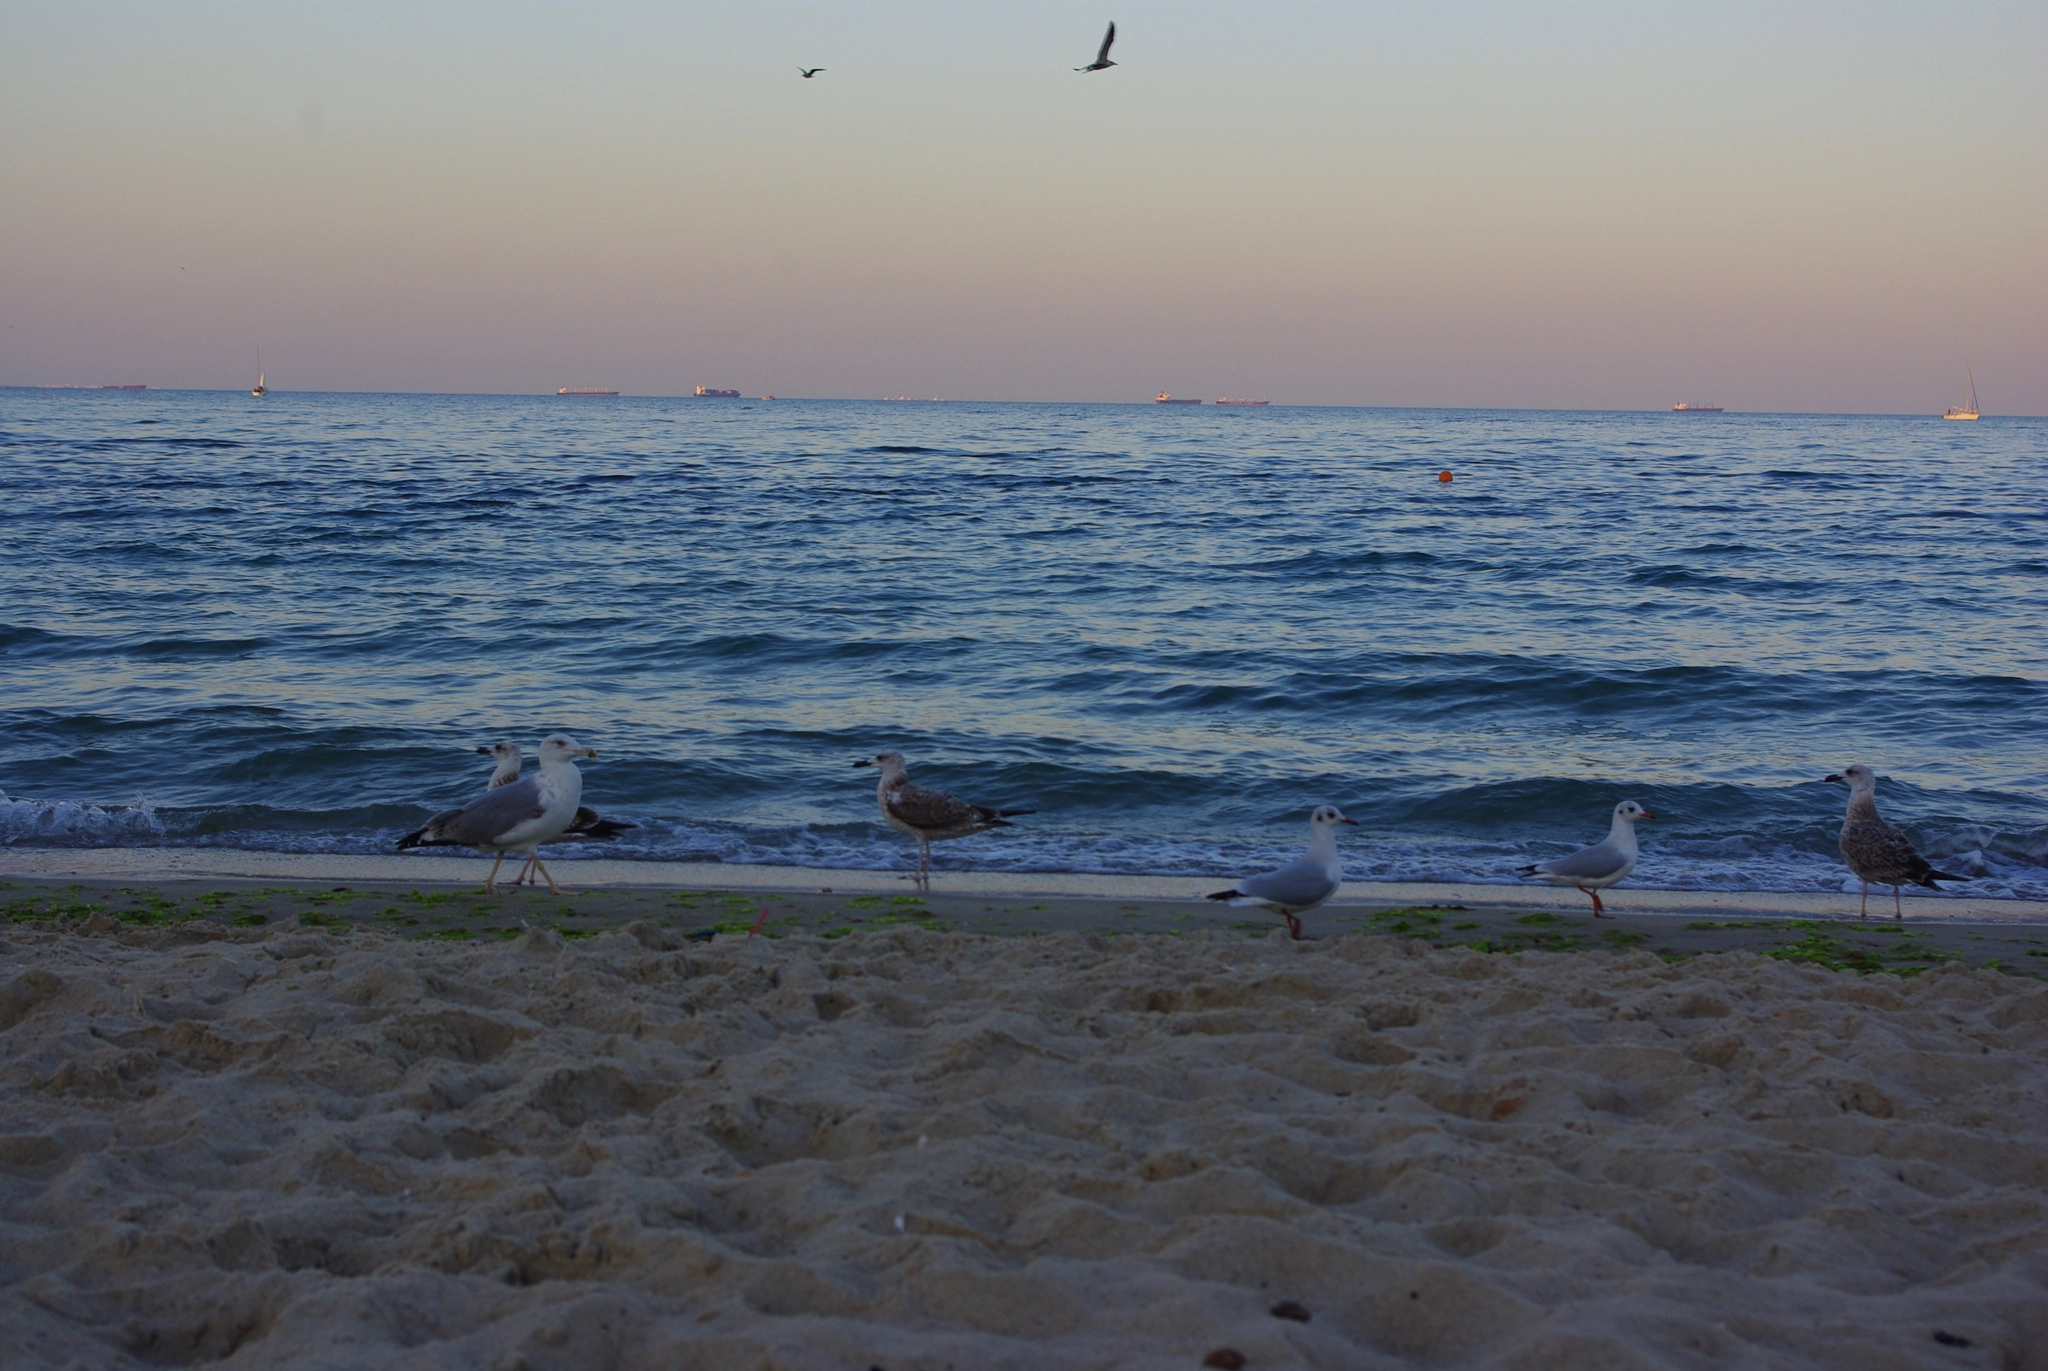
[1226,400]
[129,386]
[1969,410]
[1162,398]
[586,392]
[713,393]
[1687,407]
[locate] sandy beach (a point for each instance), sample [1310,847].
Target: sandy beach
[257,1124]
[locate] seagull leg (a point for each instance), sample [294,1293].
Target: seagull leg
[1293,924]
[1897,912]
[525,873]
[1599,910]
[490,886]
[553,889]
[1863,912]
[924,865]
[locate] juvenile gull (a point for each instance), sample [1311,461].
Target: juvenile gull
[588,826]
[1303,883]
[928,815]
[514,818]
[1593,869]
[508,763]
[1876,851]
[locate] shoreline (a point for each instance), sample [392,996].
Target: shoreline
[447,869]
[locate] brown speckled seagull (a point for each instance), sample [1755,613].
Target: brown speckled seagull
[1874,850]
[929,815]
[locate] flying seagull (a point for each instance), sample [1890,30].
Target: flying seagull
[929,815]
[1593,869]
[1102,61]
[1874,850]
[1303,883]
[808,72]
[514,818]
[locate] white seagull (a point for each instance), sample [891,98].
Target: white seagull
[1593,869]
[515,818]
[1303,883]
[587,826]
[1102,61]
[929,815]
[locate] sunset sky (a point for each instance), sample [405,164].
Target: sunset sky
[1779,206]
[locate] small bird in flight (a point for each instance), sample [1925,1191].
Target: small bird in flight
[808,72]
[1102,61]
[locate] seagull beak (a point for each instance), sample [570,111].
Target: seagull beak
[1838,776]
[1646,814]
[863,762]
[1352,822]
[590,752]
[487,751]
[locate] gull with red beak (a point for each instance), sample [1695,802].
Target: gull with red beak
[1303,883]
[1593,869]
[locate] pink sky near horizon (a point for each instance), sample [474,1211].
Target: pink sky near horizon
[1807,208]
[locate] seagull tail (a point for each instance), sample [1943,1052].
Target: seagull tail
[417,838]
[1529,870]
[605,829]
[1013,813]
[1230,894]
[1931,876]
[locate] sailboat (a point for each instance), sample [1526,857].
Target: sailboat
[1969,409]
[259,388]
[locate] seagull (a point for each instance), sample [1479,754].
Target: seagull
[1593,869]
[508,763]
[808,72]
[1102,61]
[514,818]
[1876,851]
[587,826]
[1306,881]
[929,815]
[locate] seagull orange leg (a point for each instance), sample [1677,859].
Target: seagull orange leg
[1293,924]
[1599,910]
[490,886]
[1863,910]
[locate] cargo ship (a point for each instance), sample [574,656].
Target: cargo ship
[586,391]
[713,393]
[1162,398]
[1685,407]
[1226,400]
[126,387]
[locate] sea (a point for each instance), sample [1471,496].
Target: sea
[285,624]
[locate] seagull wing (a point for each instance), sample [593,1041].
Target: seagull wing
[936,812]
[1587,864]
[1107,39]
[483,820]
[1301,884]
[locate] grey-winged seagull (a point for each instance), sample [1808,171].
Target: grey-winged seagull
[587,826]
[514,818]
[929,815]
[1593,869]
[808,72]
[1102,58]
[1303,883]
[1874,850]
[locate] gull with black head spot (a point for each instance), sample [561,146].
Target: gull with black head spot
[1592,869]
[518,817]
[929,815]
[1303,883]
[507,771]
[1874,850]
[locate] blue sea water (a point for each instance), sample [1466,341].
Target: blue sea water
[284,623]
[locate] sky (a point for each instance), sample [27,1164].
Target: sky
[1785,206]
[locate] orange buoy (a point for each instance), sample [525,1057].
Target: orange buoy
[1444,477]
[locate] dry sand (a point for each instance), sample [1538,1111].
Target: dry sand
[905,1147]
